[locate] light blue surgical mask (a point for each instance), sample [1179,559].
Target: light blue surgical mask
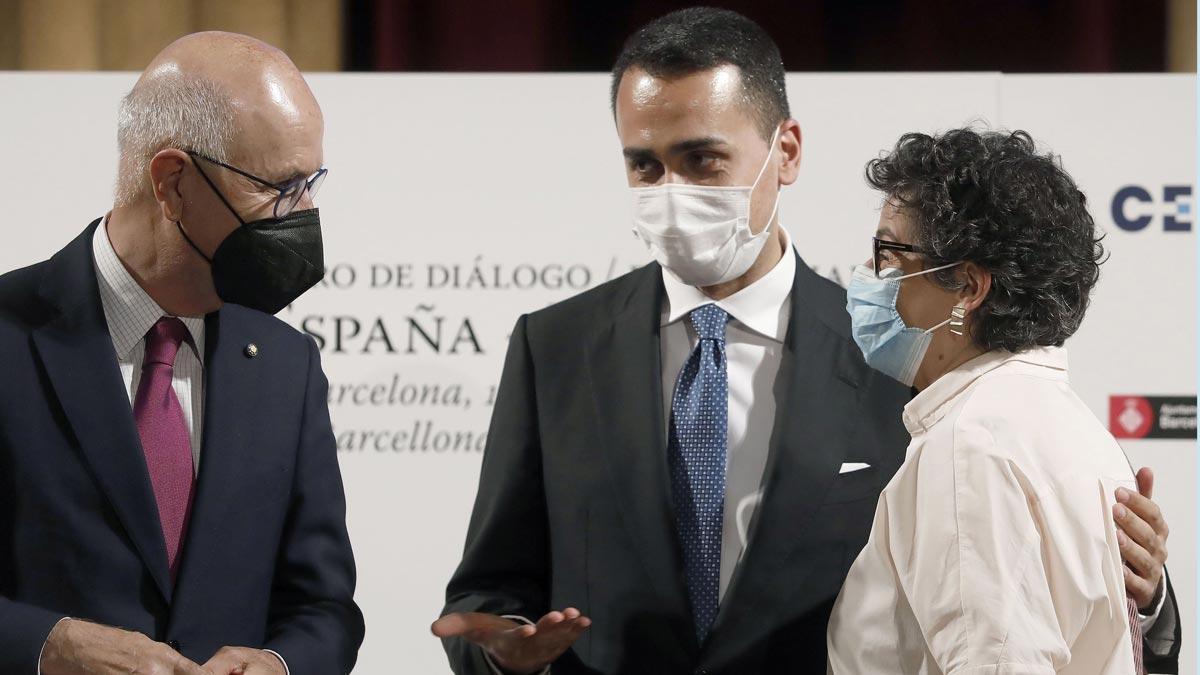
[888,344]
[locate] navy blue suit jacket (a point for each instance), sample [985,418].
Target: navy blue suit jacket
[267,561]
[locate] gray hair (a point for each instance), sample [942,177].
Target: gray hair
[169,110]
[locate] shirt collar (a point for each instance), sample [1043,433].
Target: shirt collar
[128,309]
[930,405]
[762,306]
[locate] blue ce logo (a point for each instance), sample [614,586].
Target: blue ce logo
[1175,208]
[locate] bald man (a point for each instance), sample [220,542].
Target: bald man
[170,499]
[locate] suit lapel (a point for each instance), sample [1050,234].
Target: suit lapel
[624,367]
[77,352]
[816,405]
[232,390]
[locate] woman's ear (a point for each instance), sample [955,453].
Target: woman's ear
[166,172]
[977,283]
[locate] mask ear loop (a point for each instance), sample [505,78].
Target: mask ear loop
[778,192]
[179,224]
[767,161]
[930,330]
[957,320]
[957,314]
[217,192]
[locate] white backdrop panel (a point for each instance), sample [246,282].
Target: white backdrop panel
[520,178]
[1139,336]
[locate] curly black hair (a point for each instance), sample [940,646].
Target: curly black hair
[990,198]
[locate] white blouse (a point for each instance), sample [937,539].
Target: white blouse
[993,548]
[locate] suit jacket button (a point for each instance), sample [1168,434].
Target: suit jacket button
[173,644]
[251,350]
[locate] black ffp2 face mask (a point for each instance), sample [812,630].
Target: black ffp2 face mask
[266,264]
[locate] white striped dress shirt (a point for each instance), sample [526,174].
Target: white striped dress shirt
[131,313]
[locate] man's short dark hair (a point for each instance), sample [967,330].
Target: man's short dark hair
[696,39]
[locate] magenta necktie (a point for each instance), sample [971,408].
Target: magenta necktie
[1135,633]
[164,434]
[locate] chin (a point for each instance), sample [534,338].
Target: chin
[207,305]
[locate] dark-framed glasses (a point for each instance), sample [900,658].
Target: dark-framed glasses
[883,253]
[290,191]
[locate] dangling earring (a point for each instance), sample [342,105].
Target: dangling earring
[957,316]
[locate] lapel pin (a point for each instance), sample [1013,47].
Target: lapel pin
[251,350]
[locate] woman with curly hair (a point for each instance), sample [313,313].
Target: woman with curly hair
[993,548]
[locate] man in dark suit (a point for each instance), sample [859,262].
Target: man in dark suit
[169,486]
[683,462]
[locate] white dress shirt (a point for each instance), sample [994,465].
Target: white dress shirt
[759,316]
[993,548]
[130,313]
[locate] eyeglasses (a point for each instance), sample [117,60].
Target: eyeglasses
[290,191]
[881,249]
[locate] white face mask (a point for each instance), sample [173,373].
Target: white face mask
[701,233]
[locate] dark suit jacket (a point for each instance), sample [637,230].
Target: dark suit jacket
[267,561]
[574,503]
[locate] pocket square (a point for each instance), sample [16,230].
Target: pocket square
[851,467]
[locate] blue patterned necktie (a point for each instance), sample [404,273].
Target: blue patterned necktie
[696,453]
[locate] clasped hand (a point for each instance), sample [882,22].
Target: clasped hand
[75,647]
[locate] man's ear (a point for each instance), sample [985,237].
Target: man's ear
[790,144]
[977,283]
[166,173]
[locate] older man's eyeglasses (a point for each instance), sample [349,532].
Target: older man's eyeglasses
[290,191]
[884,253]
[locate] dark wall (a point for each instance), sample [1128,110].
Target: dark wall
[814,35]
